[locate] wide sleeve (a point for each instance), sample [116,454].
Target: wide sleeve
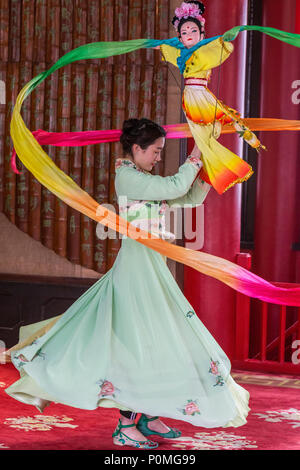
[137,185]
[169,53]
[213,54]
[194,197]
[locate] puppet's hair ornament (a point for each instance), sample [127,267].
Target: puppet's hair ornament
[188,10]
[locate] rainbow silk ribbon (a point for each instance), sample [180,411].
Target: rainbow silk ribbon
[174,131]
[36,160]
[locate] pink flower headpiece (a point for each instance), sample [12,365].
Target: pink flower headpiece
[188,10]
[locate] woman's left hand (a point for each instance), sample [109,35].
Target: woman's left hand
[196,152]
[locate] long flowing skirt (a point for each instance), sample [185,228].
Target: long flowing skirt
[205,115]
[132,341]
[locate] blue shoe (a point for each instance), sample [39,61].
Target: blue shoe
[142,426]
[121,439]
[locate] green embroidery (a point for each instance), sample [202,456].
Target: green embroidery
[41,354]
[190,314]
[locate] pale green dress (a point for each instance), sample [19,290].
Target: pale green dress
[133,341]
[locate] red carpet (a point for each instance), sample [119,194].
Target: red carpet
[273,423]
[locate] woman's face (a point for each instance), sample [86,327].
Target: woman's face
[146,159]
[190,34]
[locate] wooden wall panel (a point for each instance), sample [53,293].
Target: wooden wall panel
[95,94]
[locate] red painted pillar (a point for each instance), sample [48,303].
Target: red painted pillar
[213,301]
[297,237]
[277,198]
[278,194]
[297,28]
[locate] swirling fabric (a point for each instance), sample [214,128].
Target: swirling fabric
[174,131]
[47,173]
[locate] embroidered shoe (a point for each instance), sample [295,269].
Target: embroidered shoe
[142,426]
[121,439]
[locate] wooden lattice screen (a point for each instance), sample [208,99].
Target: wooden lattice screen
[88,95]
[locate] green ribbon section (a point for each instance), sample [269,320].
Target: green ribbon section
[95,50]
[101,50]
[289,38]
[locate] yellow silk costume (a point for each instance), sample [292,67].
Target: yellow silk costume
[206,114]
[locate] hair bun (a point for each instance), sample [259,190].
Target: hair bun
[140,131]
[134,127]
[130,125]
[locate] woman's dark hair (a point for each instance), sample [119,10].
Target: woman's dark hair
[142,132]
[185,20]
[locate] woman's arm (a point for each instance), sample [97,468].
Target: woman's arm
[141,186]
[194,197]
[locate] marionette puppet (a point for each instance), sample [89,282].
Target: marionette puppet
[205,113]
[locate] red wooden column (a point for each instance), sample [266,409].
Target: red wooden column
[297,27]
[278,195]
[213,301]
[298,171]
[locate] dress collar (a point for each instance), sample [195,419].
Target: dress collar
[129,163]
[185,53]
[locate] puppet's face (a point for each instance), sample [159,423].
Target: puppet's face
[146,159]
[190,34]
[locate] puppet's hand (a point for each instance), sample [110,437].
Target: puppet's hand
[231,34]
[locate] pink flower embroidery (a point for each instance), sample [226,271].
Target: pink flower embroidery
[118,163]
[22,358]
[164,206]
[215,371]
[214,368]
[107,388]
[194,161]
[126,162]
[191,408]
